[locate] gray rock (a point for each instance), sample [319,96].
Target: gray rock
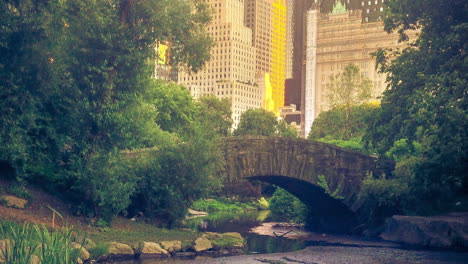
[445,231]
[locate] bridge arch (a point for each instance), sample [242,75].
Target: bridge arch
[295,165]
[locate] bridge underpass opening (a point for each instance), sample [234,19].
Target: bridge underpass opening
[327,214]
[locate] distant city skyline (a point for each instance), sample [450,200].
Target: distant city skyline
[275,53]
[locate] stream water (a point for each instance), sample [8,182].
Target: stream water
[270,242]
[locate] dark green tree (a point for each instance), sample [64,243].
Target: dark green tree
[259,122]
[256,122]
[330,124]
[74,81]
[427,97]
[216,113]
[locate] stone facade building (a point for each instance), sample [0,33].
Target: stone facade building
[230,73]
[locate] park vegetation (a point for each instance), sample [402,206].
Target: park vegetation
[82,116]
[421,122]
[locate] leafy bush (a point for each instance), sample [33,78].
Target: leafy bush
[402,149]
[354,144]
[99,250]
[107,182]
[19,190]
[286,206]
[331,124]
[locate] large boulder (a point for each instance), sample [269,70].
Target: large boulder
[446,231]
[13,201]
[202,243]
[121,251]
[172,246]
[152,250]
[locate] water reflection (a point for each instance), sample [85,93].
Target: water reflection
[242,223]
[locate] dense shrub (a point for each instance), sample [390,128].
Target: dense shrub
[286,207]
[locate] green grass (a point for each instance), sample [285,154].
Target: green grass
[139,232]
[226,241]
[217,205]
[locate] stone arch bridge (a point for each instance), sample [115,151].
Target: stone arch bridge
[295,165]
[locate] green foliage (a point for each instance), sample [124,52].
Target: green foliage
[286,130]
[99,250]
[108,182]
[24,241]
[263,204]
[18,190]
[286,206]
[225,241]
[76,91]
[256,122]
[55,247]
[216,113]
[354,144]
[331,124]
[427,101]
[382,198]
[215,205]
[259,122]
[20,246]
[347,89]
[322,182]
[174,104]
[178,175]
[402,149]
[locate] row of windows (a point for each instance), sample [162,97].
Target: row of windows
[370,2]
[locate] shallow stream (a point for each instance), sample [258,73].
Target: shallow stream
[269,242]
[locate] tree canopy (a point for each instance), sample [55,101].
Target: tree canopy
[426,99]
[259,122]
[76,92]
[347,89]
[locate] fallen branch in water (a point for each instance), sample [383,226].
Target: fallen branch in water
[276,235]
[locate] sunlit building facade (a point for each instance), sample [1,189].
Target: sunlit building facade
[231,72]
[267,19]
[335,40]
[278,52]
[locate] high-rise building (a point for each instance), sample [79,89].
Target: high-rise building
[289,38]
[162,67]
[294,84]
[333,41]
[230,73]
[278,53]
[267,19]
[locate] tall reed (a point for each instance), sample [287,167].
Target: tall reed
[19,245]
[49,247]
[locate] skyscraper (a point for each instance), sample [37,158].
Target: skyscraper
[230,73]
[278,53]
[267,19]
[335,40]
